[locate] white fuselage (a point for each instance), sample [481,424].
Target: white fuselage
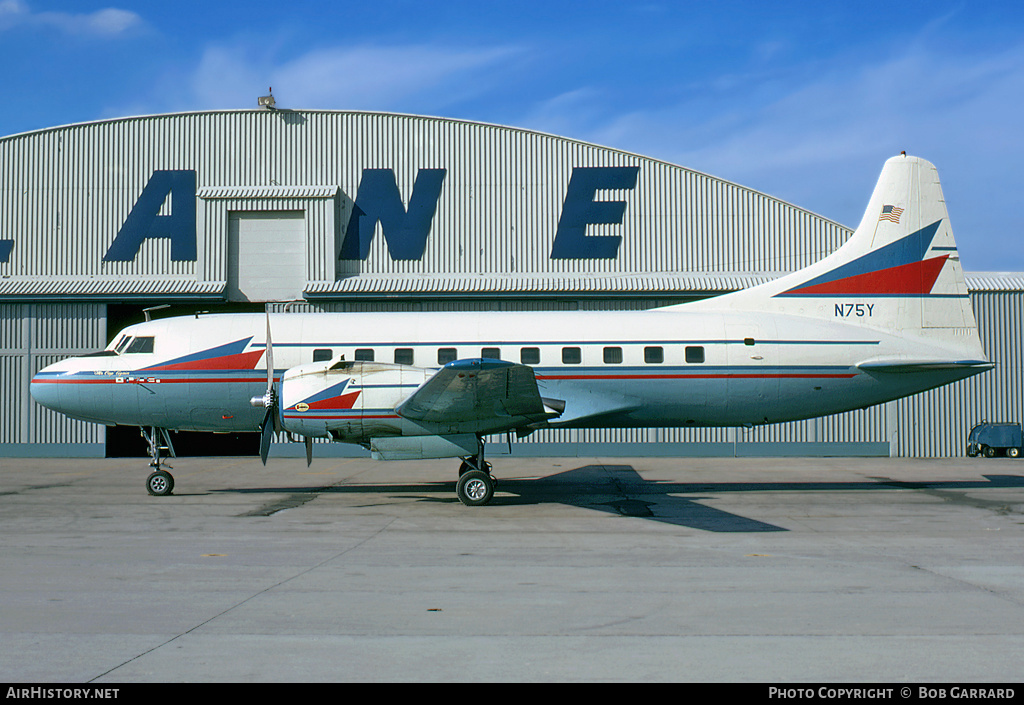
[659,368]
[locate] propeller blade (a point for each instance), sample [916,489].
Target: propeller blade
[266,435]
[309,450]
[270,354]
[271,421]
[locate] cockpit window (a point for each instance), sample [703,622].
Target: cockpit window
[119,348]
[140,344]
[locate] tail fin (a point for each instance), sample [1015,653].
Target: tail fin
[901,264]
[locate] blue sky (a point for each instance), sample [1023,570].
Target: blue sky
[801,100]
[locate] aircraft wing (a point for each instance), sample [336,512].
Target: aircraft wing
[479,396]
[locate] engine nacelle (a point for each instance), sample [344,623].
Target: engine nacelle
[347,401]
[420,447]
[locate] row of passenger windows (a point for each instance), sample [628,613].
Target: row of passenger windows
[653,354]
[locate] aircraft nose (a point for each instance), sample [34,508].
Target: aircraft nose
[76,388]
[44,388]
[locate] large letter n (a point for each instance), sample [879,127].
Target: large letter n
[378,200]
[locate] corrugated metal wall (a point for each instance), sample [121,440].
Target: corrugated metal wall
[31,337]
[69,189]
[936,423]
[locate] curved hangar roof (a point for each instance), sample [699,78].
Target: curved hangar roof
[380,204]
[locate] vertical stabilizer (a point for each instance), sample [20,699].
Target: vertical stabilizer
[899,272]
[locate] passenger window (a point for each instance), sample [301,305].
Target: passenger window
[446,355]
[695,353]
[572,356]
[529,356]
[613,356]
[141,344]
[654,353]
[321,354]
[364,354]
[491,353]
[403,356]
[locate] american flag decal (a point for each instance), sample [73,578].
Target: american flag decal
[891,213]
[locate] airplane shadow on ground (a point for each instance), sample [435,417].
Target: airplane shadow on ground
[619,489]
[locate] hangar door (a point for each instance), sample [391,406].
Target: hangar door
[266,255]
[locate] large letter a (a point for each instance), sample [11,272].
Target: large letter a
[144,222]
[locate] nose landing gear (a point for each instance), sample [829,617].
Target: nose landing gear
[160,483]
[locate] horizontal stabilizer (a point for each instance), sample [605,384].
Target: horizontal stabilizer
[906,366]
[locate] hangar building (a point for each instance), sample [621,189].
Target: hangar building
[360,211]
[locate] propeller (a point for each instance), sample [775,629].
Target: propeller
[268,401]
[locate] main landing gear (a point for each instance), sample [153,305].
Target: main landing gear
[159,483]
[476,484]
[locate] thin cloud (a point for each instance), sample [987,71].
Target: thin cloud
[106,23]
[919,101]
[955,111]
[571,114]
[819,140]
[362,77]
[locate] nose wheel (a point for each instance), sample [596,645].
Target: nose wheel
[159,483]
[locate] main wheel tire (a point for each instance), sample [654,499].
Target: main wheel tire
[1013,452]
[475,488]
[160,483]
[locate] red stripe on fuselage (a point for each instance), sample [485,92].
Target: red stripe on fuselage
[143,378]
[327,403]
[241,361]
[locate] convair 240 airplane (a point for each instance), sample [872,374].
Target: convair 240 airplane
[885,316]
